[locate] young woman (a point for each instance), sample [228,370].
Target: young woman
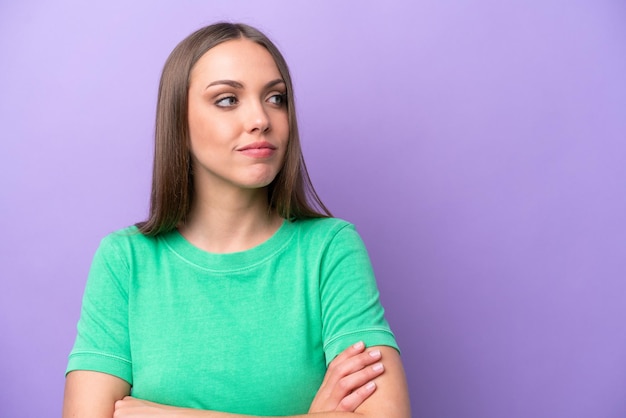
[239,295]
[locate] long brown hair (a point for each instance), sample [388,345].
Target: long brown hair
[291,193]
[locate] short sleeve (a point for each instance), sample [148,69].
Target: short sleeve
[351,309]
[102,341]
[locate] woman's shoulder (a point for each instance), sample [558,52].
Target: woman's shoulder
[127,239]
[321,225]
[325,229]
[128,233]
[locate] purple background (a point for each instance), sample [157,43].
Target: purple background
[479,147]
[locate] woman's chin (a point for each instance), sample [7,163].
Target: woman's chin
[259,180]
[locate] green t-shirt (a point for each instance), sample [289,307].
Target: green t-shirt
[249,332]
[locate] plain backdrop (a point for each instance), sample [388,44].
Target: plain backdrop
[478,146]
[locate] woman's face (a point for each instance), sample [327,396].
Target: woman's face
[238,120]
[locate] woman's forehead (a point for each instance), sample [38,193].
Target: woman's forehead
[238,59]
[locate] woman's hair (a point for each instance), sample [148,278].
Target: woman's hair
[291,193]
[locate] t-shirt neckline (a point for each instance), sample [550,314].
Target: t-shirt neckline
[229,261]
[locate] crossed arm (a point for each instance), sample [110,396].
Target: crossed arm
[347,391]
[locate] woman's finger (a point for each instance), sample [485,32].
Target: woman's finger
[355,363]
[351,402]
[356,380]
[346,380]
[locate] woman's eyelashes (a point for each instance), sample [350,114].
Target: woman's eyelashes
[276,99]
[228,101]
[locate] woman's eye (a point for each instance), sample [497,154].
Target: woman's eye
[277,99]
[226,101]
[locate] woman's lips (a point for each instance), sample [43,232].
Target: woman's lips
[259,149]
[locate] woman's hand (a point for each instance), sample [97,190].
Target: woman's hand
[348,380]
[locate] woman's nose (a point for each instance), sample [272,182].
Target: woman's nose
[257,119]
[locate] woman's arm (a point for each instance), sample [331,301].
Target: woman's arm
[390,400]
[348,380]
[92,394]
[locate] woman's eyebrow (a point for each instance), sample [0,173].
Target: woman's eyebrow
[274,82]
[232,83]
[238,85]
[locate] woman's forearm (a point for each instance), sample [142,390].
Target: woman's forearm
[390,400]
[136,408]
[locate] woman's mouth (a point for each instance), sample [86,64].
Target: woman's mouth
[258,149]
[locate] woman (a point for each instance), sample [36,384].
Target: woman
[238,296]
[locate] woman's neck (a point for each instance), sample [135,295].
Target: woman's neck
[237,221]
